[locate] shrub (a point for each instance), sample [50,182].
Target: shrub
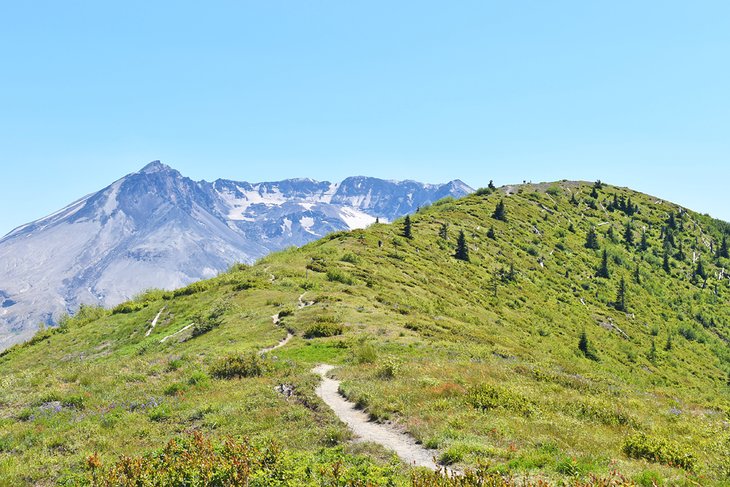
[323,329]
[657,450]
[317,265]
[236,366]
[486,397]
[365,354]
[350,258]
[389,370]
[128,307]
[174,389]
[336,275]
[193,288]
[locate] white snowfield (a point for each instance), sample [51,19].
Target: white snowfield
[157,229]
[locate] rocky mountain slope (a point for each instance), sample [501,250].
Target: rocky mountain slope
[581,339]
[158,229]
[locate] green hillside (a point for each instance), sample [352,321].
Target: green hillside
[521,361]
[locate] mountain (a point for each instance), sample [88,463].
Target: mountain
[522,360]
[157,229]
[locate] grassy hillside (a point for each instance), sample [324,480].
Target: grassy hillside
[521,361]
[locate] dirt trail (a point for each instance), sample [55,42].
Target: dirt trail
[154,322]
[401,443]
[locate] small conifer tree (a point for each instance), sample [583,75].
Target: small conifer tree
[491,234]
[592,239]
[621,295]
[444,231]
[491,185]
[644,244]
[500,212]
[462,250]
[665,264]
[629,235]
[722,251]
[407,230]
[603,268]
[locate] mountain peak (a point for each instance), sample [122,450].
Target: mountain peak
[154,167]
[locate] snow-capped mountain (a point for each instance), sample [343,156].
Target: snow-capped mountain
[158,229]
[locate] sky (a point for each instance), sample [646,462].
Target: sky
[633,93]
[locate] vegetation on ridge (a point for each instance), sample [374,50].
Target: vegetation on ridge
[538,356]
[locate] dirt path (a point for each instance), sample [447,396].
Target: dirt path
[404,445]
[154,322]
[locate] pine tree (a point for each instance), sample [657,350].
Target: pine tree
[491,185]
[665,263]
[407,233]
[573,200]
[500,212]
[611,236]
[592,239]
[700,270]
[644,245]
[444,231]
[652,352]
[491,234]
[723,250]
[668,345]
[377,220]
[671,221]
[629,235]
[637,275]
[621,295]
[603,269]
[462,250]
[585,346]
[594,193]
[680,253]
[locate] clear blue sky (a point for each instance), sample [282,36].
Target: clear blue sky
[633,93]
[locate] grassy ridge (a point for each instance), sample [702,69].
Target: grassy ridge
[478,360]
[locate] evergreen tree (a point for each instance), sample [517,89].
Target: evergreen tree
[462,250]
[377,219]
[665,263]
[594,193]
[668,345]
[592,239]
[603,269]
[611,236]
[652,352]
[672,222]
[491,185]
[585,346]
[573,201]
[491,234]
[500,212]
[700,270]
[644,245]
[621,295]
[680,253]
[444,231]
[637,276]
[407,233]
[629,235]
[722,251]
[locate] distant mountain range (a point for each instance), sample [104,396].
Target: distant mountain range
[158,229]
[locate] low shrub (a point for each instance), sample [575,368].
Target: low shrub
[323,329]
[486,397]
[658,450]
[336,275]
[128,307]
[236,366]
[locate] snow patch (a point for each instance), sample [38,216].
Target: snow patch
[355,218]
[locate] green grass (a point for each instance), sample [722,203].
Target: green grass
[479,360]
